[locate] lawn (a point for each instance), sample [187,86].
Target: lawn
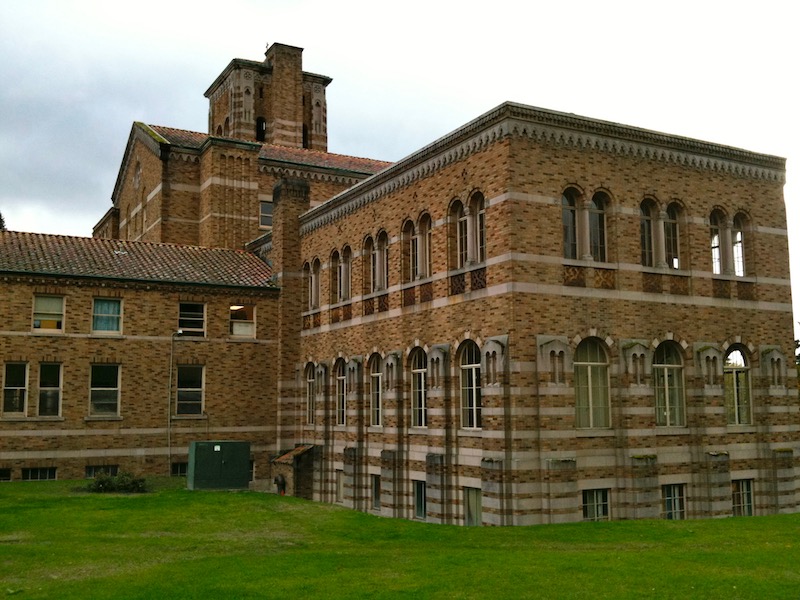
[56,542]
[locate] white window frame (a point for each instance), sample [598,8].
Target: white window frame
[669,387]
[376,392]
[420,499]
[242,320]
[184,394]
[265,216]
[97,392]
[596,505]
[96,316]
[471,401]
[17,393]
[673,501]
[419,388]
[591,412]
[742,497]
[736,383]
[48,313]
[43,390]
[340,377]
[311,391]
[188,319]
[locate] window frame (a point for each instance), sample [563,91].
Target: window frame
[646,209]
[188,319]
[265,216]
[470,383]
[185,394]
[16,393]
[40,311]
[50,389]
[419,388]
[246,325]
[672,239]
[742,497]
[596,504]
[340,388]
[737,388]
[598,243]
[673,501]
[669,387]
[311,393]
[586,404]
[96,391]
[738,245]
[96,316]
[569,222]
[420,499]
[375,391]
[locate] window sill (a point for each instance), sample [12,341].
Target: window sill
[31,419]
[47,332]
[591,432]
[202,417]
[106,334]
[741,428]
[470,432]
[102,418]
[671,430]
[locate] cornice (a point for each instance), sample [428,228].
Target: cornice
[546,127]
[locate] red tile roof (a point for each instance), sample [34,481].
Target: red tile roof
[272,152]
[43,254]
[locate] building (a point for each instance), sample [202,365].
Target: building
[537,318]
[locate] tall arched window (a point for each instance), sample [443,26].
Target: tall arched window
[335,274]
[314,285]
[410,252]
[375,391]
[736,375]
[419,388]
[737,240]
[716,222]
[381,262]
[668,384]
[646,212]
[461,216]
[569,223]
[423,234]
[477,206]
[340,373]
[261,129]
[470,385]
[672,237]
[344,273]
[591,385]
[311,392]
[368,260]
[597,226]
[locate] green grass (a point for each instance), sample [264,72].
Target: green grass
[173,543]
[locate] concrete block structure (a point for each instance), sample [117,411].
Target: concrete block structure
[537,318]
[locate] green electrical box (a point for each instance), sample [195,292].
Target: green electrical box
[218,465]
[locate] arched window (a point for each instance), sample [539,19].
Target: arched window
[478,215]
[344,273]
[423,247]
[335,274]
[419,388]
[470,385]
[736,376]
[368,261]
[381,262]
[261,129]
[646,212]
[569,223]
[410,252]
[597,226]
[311,391]
[716,223]
[737,240]
[461,220]
[591,385]
[226,128]
[313,285]
[375,391]
[668,384]
[672,237]
[340,373]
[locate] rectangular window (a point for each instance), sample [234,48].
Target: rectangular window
[190,390]
[376,399]
[243,323]
[595,505]
[107,316]
[192,318]
[673,501]
[49,390]
[742,496]
[473,511]
[341,395]
[38,473]
[376,492]
[420,506]
[265,214]
[104,392]
[311,393]
[48,313]
[5,474]
[15,389]
[179,469]
[93,471]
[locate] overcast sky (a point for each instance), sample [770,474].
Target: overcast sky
[74,75]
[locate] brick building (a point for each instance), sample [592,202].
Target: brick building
[539,317]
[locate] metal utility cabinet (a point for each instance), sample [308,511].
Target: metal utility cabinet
[218,465]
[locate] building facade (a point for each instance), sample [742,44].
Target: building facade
[537,318]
